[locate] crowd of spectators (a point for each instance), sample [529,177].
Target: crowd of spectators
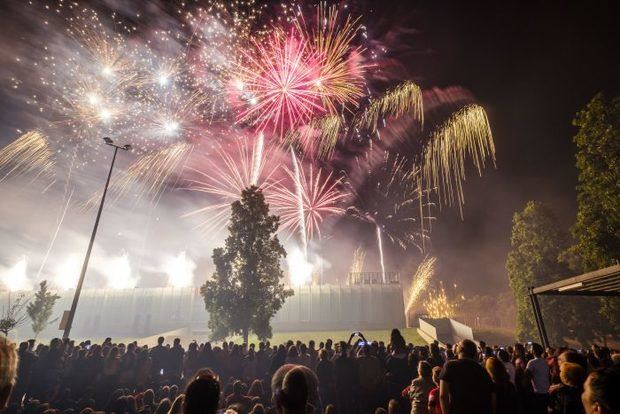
[344,378]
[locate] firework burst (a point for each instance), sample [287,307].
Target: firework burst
[30,152]
[387,199]
[276,84]
[318,193]
[340,78]
[224,176]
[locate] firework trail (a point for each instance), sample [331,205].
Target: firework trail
[30,152]
[53,239]
[406,98]
[467,132]
[300,204]
[151,172]
[257,158]
[423,274]
[380,246]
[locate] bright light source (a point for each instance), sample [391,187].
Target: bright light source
[118,272]
[15,278]
[180,270]
[107,71]
[163,79]
[171,127]
[105,114]
[239,85]
[67,274]
[299,268]
[93,99]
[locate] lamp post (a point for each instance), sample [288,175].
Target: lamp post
[78,289]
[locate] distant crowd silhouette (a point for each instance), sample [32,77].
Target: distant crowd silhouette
[297,378]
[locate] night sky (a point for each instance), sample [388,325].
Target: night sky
[531,65]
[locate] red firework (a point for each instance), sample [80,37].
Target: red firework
[277,85]
[321,197]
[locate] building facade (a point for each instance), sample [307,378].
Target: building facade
[144,312]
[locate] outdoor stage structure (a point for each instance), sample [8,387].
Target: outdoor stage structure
[366,304]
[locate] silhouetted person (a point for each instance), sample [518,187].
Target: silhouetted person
[345,375]
[158,358]
[202,395]
[292,397]
[465,387]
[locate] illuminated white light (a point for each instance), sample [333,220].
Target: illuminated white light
[180,270]
[67,274]
[253,101]
[239,85]
[163,79]
[118,272]
[170,127]
[93,99]
[15,278]
[107,71]
[299,268]
[105,114]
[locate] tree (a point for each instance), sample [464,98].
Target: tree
[41,308]
[597,227]
[536,241]
[245,291]
[13,315]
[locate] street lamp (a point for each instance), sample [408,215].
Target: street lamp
[68,321]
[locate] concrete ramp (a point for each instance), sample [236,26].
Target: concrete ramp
[444,330]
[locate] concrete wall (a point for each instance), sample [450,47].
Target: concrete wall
[138,313]
[444,330]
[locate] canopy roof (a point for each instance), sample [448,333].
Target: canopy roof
[602,282]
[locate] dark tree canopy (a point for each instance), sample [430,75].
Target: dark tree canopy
[537,240]
[597,227]
[245,291]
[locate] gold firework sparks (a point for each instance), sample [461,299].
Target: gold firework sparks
[466,133]
[439,305]
[30,152]
[319,136]
[404,98]
[421,278]
[340,80]
[151,171]
[357,265]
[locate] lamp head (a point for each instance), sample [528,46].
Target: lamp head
[126,147]
[108,140]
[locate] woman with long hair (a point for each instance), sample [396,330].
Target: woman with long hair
[505,391]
